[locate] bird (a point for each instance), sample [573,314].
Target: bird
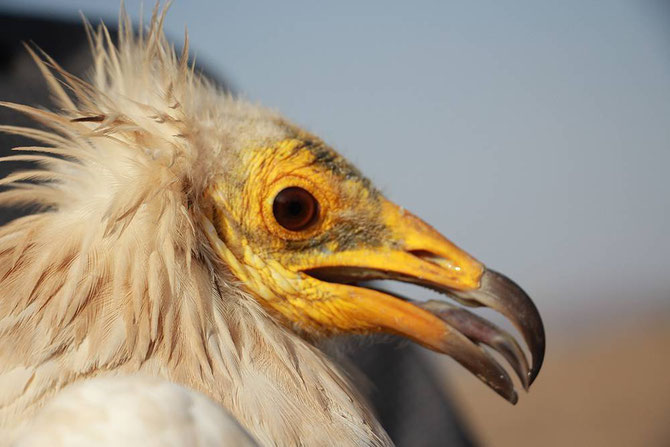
[196,247]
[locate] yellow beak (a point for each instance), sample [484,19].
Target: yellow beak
[417,253]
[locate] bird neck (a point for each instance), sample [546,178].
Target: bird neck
[72,308]
[279,386]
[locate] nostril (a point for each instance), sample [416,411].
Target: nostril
[427,256]
[438,260]
[421,253]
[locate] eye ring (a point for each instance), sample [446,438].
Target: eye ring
[295,208]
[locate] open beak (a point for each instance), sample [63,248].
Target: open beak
[418,254]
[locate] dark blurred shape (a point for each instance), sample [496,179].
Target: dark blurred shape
[410,402]
[21,81]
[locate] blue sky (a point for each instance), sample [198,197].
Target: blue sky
[533,134]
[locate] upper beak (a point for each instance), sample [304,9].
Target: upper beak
[419,254]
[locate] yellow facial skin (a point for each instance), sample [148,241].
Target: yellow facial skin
[306,278]
[357,230]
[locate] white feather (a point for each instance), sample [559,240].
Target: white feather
[132,411]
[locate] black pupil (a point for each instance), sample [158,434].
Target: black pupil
[295,209]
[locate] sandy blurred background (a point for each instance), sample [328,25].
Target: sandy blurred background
[536,135]
[607,388]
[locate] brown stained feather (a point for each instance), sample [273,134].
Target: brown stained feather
[89,119]
[115,276]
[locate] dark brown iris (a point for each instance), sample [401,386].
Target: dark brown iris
[295,209]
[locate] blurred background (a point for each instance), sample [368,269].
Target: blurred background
[535,135]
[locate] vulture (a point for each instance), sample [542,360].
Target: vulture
[189,253]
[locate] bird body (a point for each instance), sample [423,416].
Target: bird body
[154,255]
[132,410]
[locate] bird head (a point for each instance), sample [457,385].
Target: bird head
[303,229]
[158,156]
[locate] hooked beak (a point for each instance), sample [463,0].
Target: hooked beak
[420,255]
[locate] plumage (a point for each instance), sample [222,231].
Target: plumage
[142,260]
[132,410]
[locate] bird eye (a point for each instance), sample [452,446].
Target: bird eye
[295,209]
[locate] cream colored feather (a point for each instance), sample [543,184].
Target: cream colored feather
[114,275]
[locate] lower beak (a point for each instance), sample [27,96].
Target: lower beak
[420,255]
